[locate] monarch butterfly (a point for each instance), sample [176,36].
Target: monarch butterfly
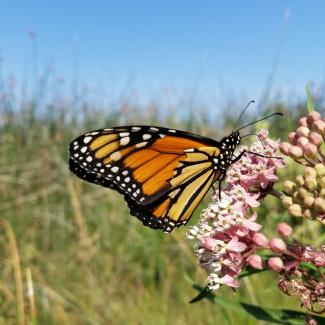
[162,173]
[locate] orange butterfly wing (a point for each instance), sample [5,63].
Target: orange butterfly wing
[162,173]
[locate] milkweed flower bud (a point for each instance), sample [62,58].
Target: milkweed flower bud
[312,117]
[309,171]
[302,192]
[311,183]
[287,201]
[303,131]
[320,170]
[300,180]
[310,150]
[302,141]
[255,261]
[295,210]
[289,186]
[322,182]
[284,148]
[315,138]
[307,214]
[319,204]
[293,137]
[284,229]
[275,263]
[296,198]
[302,121]
[277,245]
[319,126]
[309,201]
[260,240]
[295,152]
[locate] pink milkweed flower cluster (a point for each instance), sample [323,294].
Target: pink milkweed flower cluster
[227,234]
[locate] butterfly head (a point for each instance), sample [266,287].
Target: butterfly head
[230,142]
[227,147]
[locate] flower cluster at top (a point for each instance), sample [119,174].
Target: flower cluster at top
[227,234]
[306,196]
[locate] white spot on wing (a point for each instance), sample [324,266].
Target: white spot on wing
[146,136]
[124,134]
[114,169]
[154,129]
[87,139]
[83,149]
[89,159]
[124,141]
[136,128]
[172,131]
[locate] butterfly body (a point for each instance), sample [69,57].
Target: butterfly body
[162,173]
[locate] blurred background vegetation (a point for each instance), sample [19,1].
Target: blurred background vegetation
[70,253]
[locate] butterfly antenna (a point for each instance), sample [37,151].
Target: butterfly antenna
[262,119]
[242,113]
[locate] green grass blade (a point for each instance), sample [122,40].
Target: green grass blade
[310,102]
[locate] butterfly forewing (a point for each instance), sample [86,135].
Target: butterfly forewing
[162,173]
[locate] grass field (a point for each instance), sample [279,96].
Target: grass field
[70,253]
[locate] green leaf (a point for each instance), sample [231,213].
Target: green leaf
[204,293]
[310,102]
[278,316]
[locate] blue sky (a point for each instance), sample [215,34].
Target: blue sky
[218,48]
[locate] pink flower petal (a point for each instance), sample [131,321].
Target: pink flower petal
[229,281]
[236,246]
[251,225]
[251,200]
[209,243]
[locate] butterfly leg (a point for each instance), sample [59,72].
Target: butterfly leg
[219,184]
[239,156]
[263,156]
[253,153]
